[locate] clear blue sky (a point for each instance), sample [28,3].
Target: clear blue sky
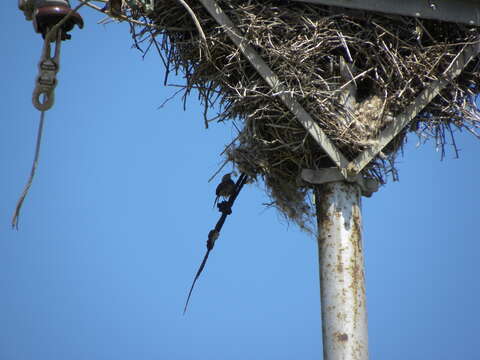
[116,222]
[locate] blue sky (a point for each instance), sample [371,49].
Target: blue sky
[115,226]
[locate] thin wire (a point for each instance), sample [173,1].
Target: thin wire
[22,197]
[197,275]
[54,30]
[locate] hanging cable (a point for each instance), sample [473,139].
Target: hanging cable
[20,201]
[225,208]
[52,19]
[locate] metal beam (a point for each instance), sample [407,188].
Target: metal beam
[425,97]
[271,78]
[458,11]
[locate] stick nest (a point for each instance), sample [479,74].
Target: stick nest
[391,59]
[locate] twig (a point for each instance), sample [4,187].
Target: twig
[219,169]
[119,17]
[197,24]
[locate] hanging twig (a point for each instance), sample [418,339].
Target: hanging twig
[197,25]
[213,234]
[219,169]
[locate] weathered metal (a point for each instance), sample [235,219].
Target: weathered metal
[43,96]
[53,19]
[342,277]
[459,11]
[327,175]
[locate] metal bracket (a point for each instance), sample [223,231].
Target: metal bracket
[327,175]
[347,169]
[459,11]
[44,92]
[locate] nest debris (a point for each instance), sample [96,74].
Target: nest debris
[393,58]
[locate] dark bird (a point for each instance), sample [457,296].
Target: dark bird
[225,188]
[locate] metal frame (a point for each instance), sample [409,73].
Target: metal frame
[329,175]
[349,170]
[458,11]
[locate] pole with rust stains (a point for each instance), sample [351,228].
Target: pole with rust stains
[342,276]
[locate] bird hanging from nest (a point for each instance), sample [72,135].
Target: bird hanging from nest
[225,188]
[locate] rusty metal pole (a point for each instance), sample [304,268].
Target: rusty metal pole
[342,276]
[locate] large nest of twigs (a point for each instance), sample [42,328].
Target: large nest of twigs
[392,59]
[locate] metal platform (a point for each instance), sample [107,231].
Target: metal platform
[458,11]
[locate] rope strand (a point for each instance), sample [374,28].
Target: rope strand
[22,197]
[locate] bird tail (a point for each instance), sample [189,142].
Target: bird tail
[216,201]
